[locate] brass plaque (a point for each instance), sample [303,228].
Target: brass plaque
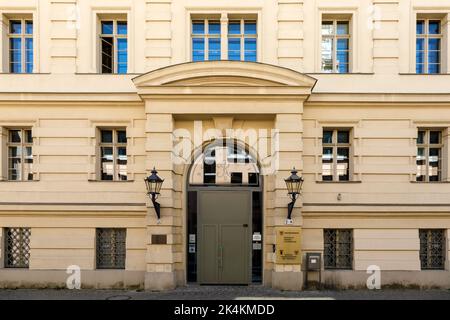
[288,245]
[159,239]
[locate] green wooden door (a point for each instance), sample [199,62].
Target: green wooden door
[224,225]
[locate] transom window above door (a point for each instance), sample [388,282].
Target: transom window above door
[224,162]
[224,37]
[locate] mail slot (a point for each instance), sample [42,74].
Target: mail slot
[313,261]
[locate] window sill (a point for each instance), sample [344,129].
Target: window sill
[424,74]
[355,181]
[19,181]
[340,73]
[109,181]
[429,182]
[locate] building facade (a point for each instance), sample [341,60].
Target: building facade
[224,98]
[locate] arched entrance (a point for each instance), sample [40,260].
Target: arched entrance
[224,218]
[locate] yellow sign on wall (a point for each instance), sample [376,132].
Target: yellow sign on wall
[288,245]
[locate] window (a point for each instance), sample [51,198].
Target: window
[20,155]
[113,152]
[335,46]
[336,155]
[20,46]
[242,37]
[225,162]
[111,249]
[205,40]
[17,247]
[428,46]
[114,46]
[338,248]
[429,155]
[432,248]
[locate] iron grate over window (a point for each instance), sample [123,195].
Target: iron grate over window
[17,247]
[111,248]
[432,248]
[338,248]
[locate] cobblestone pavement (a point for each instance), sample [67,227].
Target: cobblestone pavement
[196,292]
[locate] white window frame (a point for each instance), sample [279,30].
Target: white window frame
[22,36]
[23,144]
[427,146]
[114,145]
[335,145]
[242,36]
[115,37]
[205,36]
[427,36]
[335,38]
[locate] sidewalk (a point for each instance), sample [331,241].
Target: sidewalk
[196,292]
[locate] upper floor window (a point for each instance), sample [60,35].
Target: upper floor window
[113,152]
[20,46]
[20,155]
[206,40]
[429,153]
[242,38]
[336,155]
[226,38]
[428,46]
[114,46]
[335,46]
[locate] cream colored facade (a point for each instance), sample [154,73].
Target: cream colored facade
[66,99]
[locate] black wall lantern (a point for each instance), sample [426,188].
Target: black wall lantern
[153,184]
[294,185]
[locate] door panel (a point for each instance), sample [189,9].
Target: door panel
[224,252]
[234,254]
[209,265]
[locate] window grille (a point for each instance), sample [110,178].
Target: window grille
[17,247]
[432,249]
[338,250]
[111,248]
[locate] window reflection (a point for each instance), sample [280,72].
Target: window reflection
[225,163]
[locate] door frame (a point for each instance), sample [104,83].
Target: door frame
[250,190]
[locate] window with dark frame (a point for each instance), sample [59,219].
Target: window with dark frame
[17,247]
[113,154]
[20,155]
[432,249]
[429,155]
[110,248]
[336,155]
[338,248]
[114,46]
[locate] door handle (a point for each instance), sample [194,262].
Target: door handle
[245,225]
